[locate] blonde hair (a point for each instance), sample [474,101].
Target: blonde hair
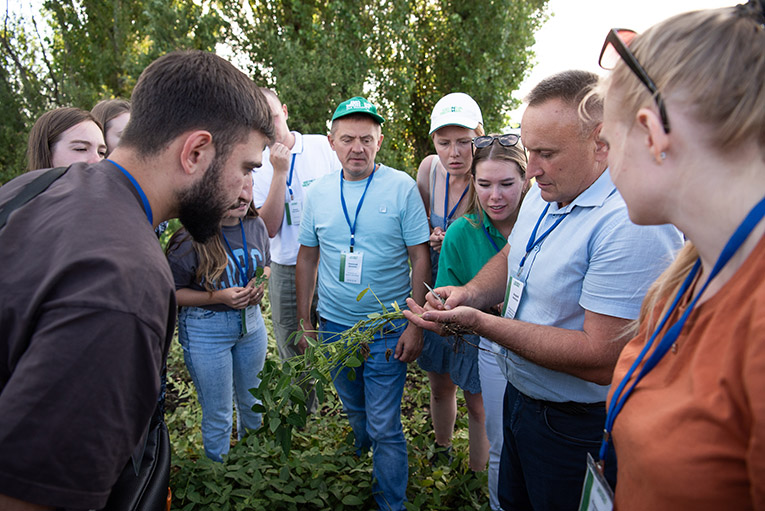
[700,60]
[496,152]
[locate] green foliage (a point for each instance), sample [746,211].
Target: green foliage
[402,54]
[320,470]
[95,49]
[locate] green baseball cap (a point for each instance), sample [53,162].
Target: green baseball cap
[357,105]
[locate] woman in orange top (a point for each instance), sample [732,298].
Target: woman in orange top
[685,121]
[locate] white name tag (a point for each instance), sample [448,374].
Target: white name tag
[294,211]
[596,494]
[513,295]
[350,267]
[249,319]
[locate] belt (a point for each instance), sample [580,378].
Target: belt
[572,407]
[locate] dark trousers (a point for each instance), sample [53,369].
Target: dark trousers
[544,452]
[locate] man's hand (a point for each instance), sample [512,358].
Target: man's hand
[302,343]
[465,318]
[235,297]
[280,158]
[453,296]
[409,345]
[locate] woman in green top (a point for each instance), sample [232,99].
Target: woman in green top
[499,177]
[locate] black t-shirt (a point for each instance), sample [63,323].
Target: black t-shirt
[184,260]
[86,318]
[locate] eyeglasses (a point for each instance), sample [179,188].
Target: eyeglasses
[617,44]
[506,140]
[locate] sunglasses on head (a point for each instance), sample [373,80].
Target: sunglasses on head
[617,45]
[506,140]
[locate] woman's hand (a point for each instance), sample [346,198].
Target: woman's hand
[436,239]
[257,292]
[235,297]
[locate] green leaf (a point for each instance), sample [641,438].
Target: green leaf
[352,361]
[361,295]
[352,500]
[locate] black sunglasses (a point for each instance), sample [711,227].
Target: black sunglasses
[617,44]
[507,140]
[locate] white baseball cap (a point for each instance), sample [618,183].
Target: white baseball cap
[455,109]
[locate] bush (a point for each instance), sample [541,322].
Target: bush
[322,470]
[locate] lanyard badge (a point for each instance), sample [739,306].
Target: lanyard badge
[515,285]
[293,209]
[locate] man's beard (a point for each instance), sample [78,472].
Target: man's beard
[202,205]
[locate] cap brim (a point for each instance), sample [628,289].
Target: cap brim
[455,120]
[378,118]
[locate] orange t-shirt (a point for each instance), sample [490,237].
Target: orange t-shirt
[692,434]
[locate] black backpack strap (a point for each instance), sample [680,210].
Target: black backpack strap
[30,191]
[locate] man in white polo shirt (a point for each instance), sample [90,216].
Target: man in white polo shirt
[290,165]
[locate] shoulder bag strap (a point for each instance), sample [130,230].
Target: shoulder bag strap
[30,191]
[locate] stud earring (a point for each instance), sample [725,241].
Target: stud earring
[663,155]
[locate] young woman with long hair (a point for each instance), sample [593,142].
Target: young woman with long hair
[684,116]
[220,325]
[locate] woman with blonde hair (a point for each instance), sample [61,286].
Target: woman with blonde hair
[499,179]
[685,121]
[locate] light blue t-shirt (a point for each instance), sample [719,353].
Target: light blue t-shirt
[392,218]
[595,259]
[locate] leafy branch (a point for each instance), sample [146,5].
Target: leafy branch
[283,388]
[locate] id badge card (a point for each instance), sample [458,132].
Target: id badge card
[294,211]
[350,267]
[513,295]
[249,319]
[596,494]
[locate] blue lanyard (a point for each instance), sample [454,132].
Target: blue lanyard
[243,272]
[358,208]
[289,180]
[450,214]
[533,240]
[668,339]
[144,200]
[491,240]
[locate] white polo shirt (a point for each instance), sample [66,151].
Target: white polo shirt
[313,159]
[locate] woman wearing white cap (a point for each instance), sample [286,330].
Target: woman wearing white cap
[444,181]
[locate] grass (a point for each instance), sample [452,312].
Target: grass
[322,470]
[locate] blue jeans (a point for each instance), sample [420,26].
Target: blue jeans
[224,366]
[544,453]
[373,404]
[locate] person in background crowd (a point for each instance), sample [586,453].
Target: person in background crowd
[446,188]
[290,166]
[113,115]
[64,136]
[92,313]
[499,179]
[220,325]
[686,131]
[361,227]
[572,277]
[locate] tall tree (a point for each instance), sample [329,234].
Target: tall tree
[402,54]
[94,49]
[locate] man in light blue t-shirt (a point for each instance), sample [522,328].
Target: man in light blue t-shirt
[572,277]
[360,228]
